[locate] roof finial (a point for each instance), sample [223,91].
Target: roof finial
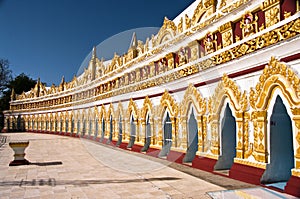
[94,52]
[133,43]
[62,80]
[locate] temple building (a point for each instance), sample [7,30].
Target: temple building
[217,87]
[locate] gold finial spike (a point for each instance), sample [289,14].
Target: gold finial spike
[133,43]
[62,80]
[13,94]
[94,52]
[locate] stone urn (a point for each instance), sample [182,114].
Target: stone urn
[19,157]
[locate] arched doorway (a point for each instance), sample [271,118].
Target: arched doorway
[192,128]
[47,125]
[281,146]
[72,125]
[102,130]
[78,127]
[60,125]
[147,134]
[67,125]
[110,129]
[96,128]
[83,126]
[227,141]
[56,123]
[51,125]
[167,136]
[120,131]
[132,132]
[90,127]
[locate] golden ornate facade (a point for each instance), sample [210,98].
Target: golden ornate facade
[238,53]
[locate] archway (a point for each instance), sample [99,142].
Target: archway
[96,128]
[147,134]
[60,124]
[167,136]
[47,125]
[83,126]
[78,126]
[132,132]
[90,126]
[110,130]
[67,125]
[120,132]
[102,130]
[192,134]
[56,123]
[72,125]
[228,141]
[281,145]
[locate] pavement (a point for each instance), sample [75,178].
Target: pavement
[65,167]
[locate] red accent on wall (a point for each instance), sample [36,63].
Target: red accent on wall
[261,18]
[237,31]
[202,47]
[219,38]
[291,58]
[175,156]
[293,186]
[204,163]
[287,6]
[246,173]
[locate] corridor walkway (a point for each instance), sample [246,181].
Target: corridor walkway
[64,167]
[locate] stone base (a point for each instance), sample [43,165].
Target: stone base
[204,163]
[136,148]
[175,156]
[293,186]
[153,152]
[4,130]
[19,162]
[123,145]
[246,173]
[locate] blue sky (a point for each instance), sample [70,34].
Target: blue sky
[51,38]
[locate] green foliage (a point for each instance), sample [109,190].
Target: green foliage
[21,83]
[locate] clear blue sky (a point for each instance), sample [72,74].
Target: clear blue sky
[51,38]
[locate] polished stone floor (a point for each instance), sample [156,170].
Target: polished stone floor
[64,167]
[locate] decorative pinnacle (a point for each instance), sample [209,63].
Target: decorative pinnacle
[94,52]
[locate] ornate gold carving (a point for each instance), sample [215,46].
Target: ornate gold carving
[227,34]
[204,9]
[192,96]
[285,32]
[210,43]
[249,163]
[166,32]
[180,26]
[227,88]
[187,22]
[132,109]
[248,24]
[147,108]
[168,102]
[272,11]
[280,75]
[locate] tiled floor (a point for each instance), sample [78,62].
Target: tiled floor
[64,167]
[90,170]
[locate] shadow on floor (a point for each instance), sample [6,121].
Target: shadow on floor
[46,163]
[53,182]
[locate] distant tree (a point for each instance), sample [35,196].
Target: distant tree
[20,83]
[5,75]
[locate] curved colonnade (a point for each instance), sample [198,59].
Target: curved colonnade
[213,96]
